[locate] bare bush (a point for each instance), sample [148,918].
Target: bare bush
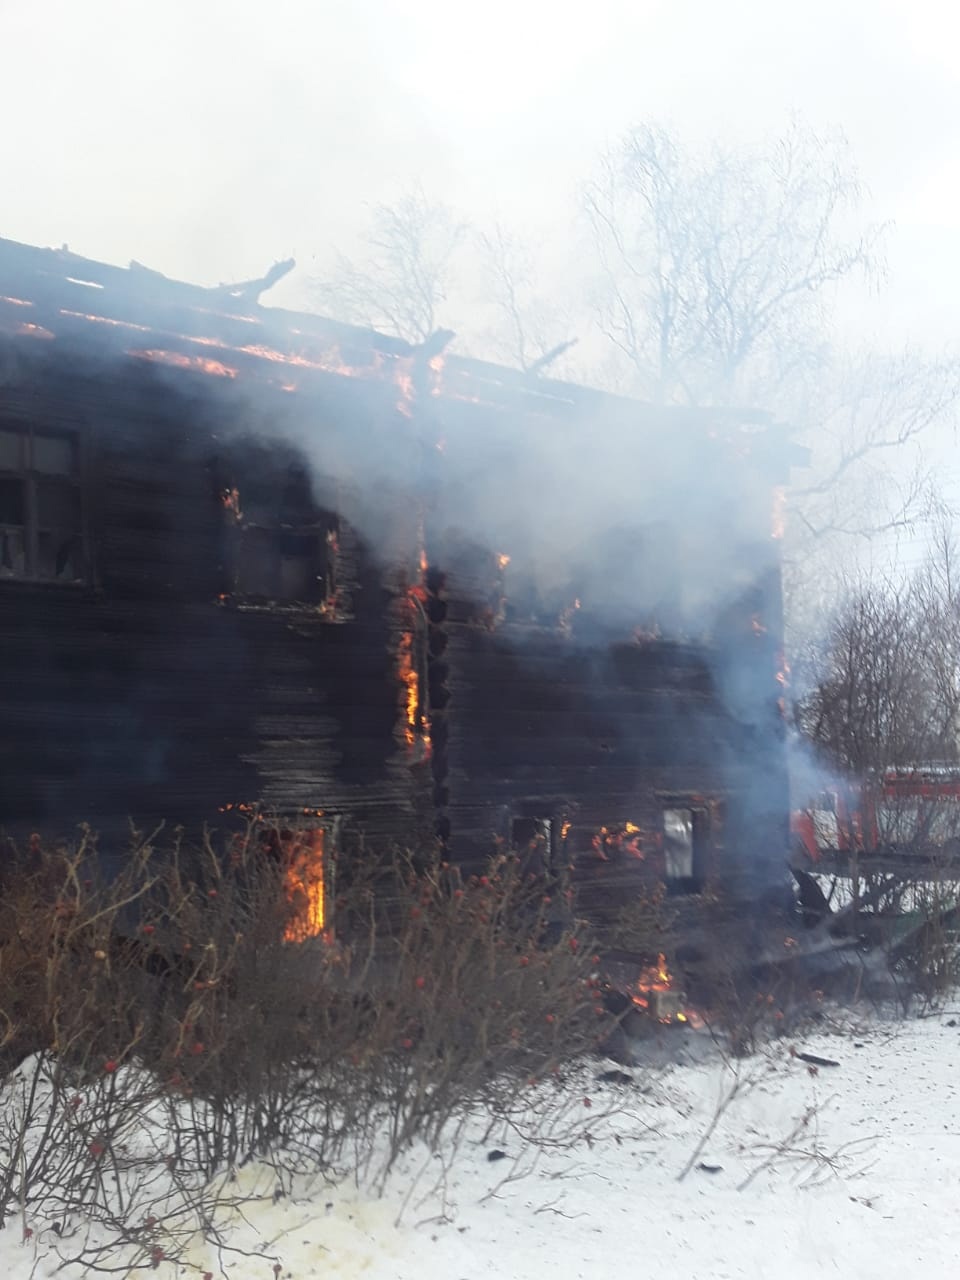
[644,925]
[176,1034]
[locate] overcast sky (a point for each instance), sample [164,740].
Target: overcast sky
[208,138]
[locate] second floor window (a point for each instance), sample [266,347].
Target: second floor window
[281,548]
[41,508]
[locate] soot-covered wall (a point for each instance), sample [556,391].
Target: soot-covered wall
[161,686]
[513,622]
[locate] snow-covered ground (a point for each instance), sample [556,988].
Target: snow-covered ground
[850,1170]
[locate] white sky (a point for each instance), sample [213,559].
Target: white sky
[209,137]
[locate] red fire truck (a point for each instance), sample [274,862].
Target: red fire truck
[911,810]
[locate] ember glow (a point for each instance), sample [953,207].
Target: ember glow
[303,883]
[410,680]
[436,364]
[115,324]
[404,381]
[180,361]
[625,839]
[231,501]
[656,992]
[328,360]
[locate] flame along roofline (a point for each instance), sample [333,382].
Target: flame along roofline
[136,296]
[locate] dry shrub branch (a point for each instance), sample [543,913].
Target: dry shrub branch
[158,1030]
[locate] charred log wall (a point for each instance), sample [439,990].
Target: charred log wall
[150,691]
[614,681]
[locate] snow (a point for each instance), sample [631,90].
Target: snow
[866,1188]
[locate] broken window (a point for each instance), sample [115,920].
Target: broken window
[282,549]
[684,848]
[274,564]
[41,506]
[535,842]
[532,834]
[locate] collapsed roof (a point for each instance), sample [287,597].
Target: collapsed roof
[54,295]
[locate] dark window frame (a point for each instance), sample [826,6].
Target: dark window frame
[273,534]
[526,831]
[34,479]
[701,834]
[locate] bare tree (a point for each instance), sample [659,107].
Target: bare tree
[717,272]
[717,283]
[531,331]
[871,409]
[883,706]
[883,682]
[403,279]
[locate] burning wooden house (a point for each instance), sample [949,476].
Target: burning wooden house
[252,556]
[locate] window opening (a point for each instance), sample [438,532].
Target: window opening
[41,507]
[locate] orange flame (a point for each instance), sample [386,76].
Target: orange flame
[436,365]
[116,324]
[655,977]
[303,882]
[626,838]
[405,399]
[231,501]
[410,679]
[180,361]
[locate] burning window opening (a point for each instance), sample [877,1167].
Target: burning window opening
[280,550]
[625,840]
[304,884]
[528,603]
[42,526]
[15,302]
